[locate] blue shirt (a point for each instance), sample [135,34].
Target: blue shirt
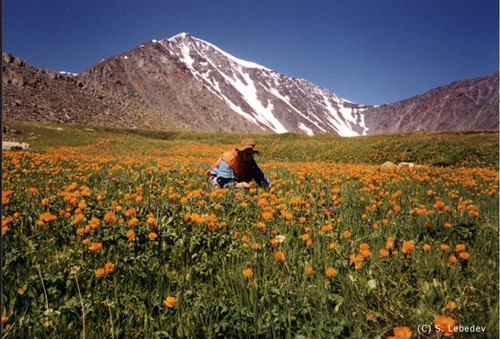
[225,175]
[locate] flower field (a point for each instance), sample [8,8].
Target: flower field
[122,236]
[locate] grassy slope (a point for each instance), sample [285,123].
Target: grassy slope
[467,149]
[203,268]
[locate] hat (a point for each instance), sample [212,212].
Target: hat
[246,144]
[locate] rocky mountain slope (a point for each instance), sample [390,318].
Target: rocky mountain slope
[462,105]
[33,94]
[187,83]
[199,83]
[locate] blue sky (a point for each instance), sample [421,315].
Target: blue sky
[370,52]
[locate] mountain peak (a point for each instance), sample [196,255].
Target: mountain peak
[186,83]
[180,37]
[193,45]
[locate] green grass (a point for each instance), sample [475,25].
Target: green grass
[462,149]
[205,237]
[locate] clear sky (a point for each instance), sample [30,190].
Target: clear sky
[367,51]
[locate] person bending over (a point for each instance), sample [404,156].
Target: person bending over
[237,167]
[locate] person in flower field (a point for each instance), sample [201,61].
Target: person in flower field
[237,168]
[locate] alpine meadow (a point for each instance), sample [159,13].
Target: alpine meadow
[117,233]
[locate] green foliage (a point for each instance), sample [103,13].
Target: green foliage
[193,243]
[444,149]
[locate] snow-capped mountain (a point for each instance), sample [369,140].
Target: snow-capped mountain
[268,99]
[263,98]
[187,83]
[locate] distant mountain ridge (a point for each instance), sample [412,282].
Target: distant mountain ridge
[462,105]
[187,83]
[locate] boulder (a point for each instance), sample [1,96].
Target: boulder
[14,146]
[388,164]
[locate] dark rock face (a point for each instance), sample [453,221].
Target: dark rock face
[187,83]
[150,77]
[462,105]
[33,94]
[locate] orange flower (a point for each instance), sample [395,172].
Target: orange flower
[169,302]
[357,261]
[5,319]
[408,246]
[401,333]
[82,204]
[94,222]
[5,196]
[78,218]
[267,216]
[133,222]
[384,253]
[100,272]
[152,236]
[46,217]
[332,246]
[445,324]
[464,255]
[439,204]
[326,228]
[426,247]
[389,244]
[279,256]
[109,267]
[255,246]
[451,306]
[96,246]
[109,217]
[346,234]
[151,222]
[130,234]
[364,250]
[460,248]
[444,247]
[308,270]
[247,272]
[130,212]
[330,272]
[453,259]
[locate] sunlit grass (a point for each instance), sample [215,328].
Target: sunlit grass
[118,234]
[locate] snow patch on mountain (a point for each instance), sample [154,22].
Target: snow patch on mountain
[264,97]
